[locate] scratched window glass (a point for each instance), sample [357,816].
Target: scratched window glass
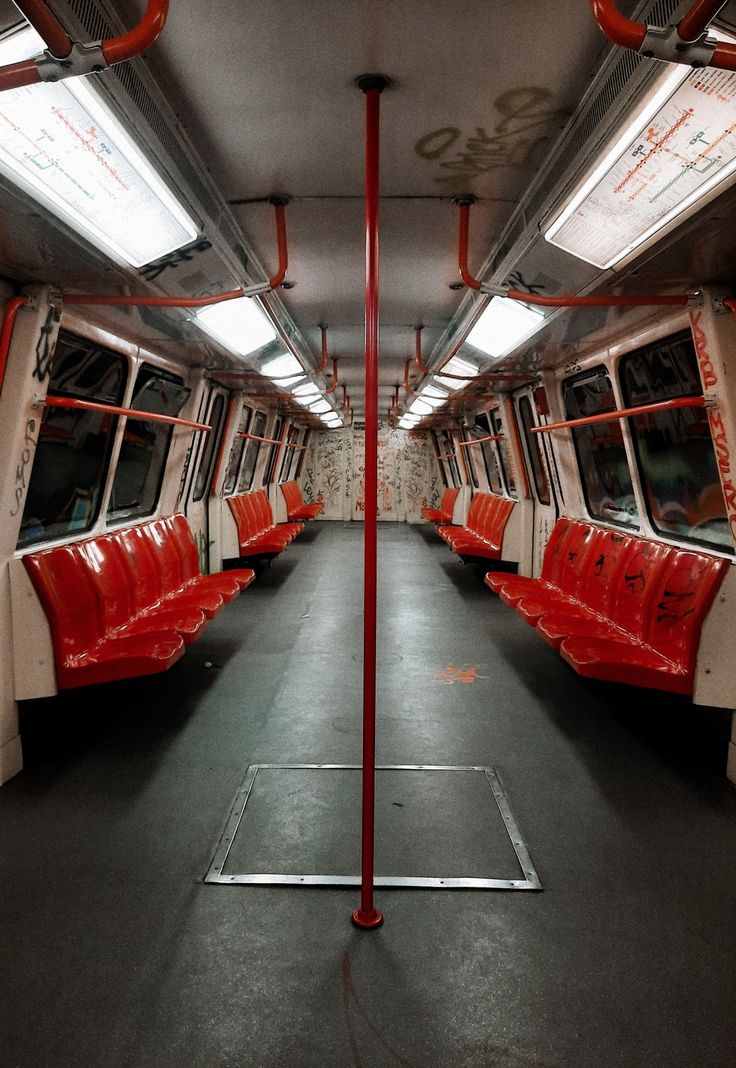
[208,450]
[503,453]
[539,471]
[274,452]
[300,455]
[248,469]
[674,448]
[72,447]
[288,453]
[604,468]
[140,467]
[236,452]
[483,427]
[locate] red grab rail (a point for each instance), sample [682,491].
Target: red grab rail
[405,383]
[623,413]
[683,43]
[333,387]
[112,409]
[273,441]
[72,60]
[464,203]
[479,441]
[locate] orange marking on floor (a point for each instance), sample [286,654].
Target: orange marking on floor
[451,674]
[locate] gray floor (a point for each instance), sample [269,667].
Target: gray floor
[114,952]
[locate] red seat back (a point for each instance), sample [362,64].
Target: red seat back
[105,564]
[447,504]
[605,557]
[636,584]
[65,589]
[185,545]
[497,518]
[683,591]
[141,561]
[571,560]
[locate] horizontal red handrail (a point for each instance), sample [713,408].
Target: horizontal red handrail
[479,441]
[624,413]
[60,45]
[112,409]
[464,203]
[628,34]
[6,333]
[271,441]
[148,301]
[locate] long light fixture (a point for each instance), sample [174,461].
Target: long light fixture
[503,325]
[456,366]
[322,406]
[433,391]
[306,394]
[420,407]
[63,146]
[676,151]
[428,398]
[240,325]
[285,369]
[407,423]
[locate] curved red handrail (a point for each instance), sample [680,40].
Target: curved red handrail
[623,413]
[405,383]
[479,441]
[697,20]
[628,34]
[617,28]
[113,409]
[6,333]
[60,45]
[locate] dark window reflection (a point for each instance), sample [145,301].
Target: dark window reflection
[248,469]
[539,471]
[236,453]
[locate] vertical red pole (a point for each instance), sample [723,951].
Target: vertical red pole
[372,85]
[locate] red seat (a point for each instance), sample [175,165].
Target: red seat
[482,535]
[124,603]
[258,535]
[619,607]
[443,514]
[297,509]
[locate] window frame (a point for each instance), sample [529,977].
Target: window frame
[534,452]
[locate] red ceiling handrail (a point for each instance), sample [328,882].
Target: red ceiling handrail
[6,332]
[66,59]
[333,387]
[464,203]
[623,413]
[322,365]
[405,383]
[685,43]
[418,351]
[113,409]
[147,301]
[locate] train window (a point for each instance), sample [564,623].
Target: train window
[674,449]
[73,450]
[270,466]
[448,448]
[438,446]
[489,456]
[248,469]
[208,453]
[301,453]
[600,450]
[539,473]
[503,453]
[288,453]
[470,462]
[236,452]
[140,468]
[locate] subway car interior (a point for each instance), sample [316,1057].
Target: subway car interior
[368,601]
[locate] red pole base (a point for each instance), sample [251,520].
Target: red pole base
[367,920]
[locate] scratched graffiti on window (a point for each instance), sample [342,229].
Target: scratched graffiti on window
[173,259]
[526,115]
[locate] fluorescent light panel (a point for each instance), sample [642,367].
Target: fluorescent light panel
[420,407]
[432,391]
[504,325]
[281,367]
[320,407]
[238,324]
[675,150]
[456,366]
[64,147]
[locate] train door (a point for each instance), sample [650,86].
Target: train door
[199,504]
[541,493]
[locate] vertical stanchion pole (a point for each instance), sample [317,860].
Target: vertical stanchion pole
[372,85]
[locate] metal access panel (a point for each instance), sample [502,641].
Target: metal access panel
[289,821]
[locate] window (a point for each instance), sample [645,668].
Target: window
[209,449]
[288,453]
[541,482]
[448,449]
[503,453]
[248,469]
[236,452]
[140,468]
[600,450]
[273,453]
[73,450]
[440,462]
[674,449]
[470,435]
[301,453]
[489,456]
